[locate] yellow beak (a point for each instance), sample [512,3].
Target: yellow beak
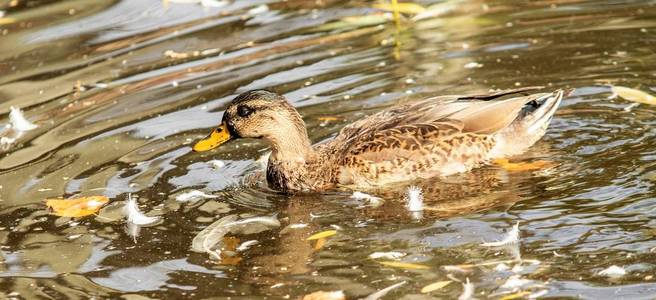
[216,138]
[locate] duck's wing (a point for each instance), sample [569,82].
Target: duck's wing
[411,130]
[425,111]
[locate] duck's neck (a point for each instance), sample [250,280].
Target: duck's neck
[290,143]
[291,152]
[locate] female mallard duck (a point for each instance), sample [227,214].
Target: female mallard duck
[432,137]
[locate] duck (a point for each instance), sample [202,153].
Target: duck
[431,137]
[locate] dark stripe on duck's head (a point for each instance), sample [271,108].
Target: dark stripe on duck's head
[263,95]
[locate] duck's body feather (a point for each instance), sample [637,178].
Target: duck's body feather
[433,137]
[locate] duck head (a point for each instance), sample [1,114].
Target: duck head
[260,114]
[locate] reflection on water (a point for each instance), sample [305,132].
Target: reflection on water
[119,89]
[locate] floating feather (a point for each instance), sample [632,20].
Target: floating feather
[373,200]
[209,237]
[467,291]
[194,196]
[133,231]
[18,121]
[515,282]
[415,199]
[512,237]
[134,215]
[383,292]
[613,271]
[246,245]
[633,95]
[216,164]
[387,255]
[214,3]
[402,265]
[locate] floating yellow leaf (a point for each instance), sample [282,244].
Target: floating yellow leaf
[4,21]
[77,207]
[515,295]
[323,234]
[435,286]
[403,265]
[326,119]
[404,8]
[634,95]
[230,244]
[536,165]
[320,243]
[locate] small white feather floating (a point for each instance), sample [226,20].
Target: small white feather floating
[246,245]
[133,231]
[134,215]
[613,271]
[467,291]
[216,164]
[383,292]
[387,255]
[415,199]
[194,196]
[515,282]
[18,121]
[512,237]
[373,200]
[214,3]
[213,234]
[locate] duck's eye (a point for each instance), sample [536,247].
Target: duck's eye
[244,111]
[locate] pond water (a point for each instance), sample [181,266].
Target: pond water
[120,89]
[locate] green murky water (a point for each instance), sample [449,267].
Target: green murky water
[119,90]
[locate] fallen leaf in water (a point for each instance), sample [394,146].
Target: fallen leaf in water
[404,8]
[536,165]
[229,255]
[326,119]
[4,21]
[633,95]
[435,286]
[320,243]
[403,265]
[517,295]
[77,207]
[321,295]
[323,234]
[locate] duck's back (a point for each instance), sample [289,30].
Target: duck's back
[438,137]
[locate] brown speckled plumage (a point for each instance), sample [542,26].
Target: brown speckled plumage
[433,137]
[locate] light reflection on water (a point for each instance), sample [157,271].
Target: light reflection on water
[131,134]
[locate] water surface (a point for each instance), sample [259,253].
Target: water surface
[120,89]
